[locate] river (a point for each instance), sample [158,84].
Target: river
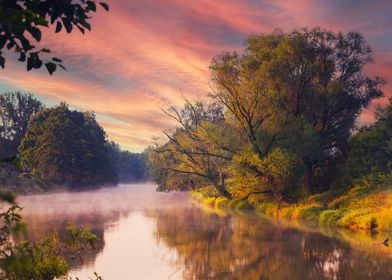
[145,235]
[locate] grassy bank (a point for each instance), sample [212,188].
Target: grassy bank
[364,207]
[11,179]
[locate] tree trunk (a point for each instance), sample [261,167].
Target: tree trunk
[308,174]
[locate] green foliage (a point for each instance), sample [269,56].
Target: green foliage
[251,175]
[301,90]
[67,147]
[129,167]
[371,148]
[330,217]
[197,152]
[22,259]
[16,110]
[22,22]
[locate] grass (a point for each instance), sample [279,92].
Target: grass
[362,208]
[359,209]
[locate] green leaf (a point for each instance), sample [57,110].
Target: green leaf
[35,32]
[58,27]
[105,6]
[51,67]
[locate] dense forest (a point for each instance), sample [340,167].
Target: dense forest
[59,145]
[281,126]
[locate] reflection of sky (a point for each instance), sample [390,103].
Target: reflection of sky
[131,252]
[149,235]
[144,52]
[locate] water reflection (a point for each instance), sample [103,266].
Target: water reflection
[162,236]
[247,247]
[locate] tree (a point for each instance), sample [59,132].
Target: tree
[290,87]
[16,110]
[22,21]
[67,147]
[197,151]
[370,149]
[129,167]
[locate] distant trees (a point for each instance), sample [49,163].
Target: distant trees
[371,146]
[21,23]
[129,167]
[16,110]
[289,104]
[67,147]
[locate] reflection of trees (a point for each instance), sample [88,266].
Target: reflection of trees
[247,247]
[40,227]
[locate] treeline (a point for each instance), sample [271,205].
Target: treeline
[282,122]
[61,145]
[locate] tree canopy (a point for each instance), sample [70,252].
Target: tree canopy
[288,104]
[67,147]
[22,21]
[16,110]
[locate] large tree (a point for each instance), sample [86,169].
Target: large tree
[67,147]
[197,151]
[16,110]
[22,22]
[302,91]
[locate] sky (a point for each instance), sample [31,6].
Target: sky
[146,54]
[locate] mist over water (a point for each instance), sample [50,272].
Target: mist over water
[148,235]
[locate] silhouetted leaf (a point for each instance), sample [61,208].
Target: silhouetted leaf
[57,59]
[3,40]
[67,25]
[51,67]
[62,67]
[45,50]
[35,32]
[85,24]
[80,29]
[10,45]
[104,5]
[91,5]
[30,63]
[22,56]
[2,62]
[58,27]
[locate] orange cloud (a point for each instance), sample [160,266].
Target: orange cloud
[143,54]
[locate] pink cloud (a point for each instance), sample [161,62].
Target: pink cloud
[143,54]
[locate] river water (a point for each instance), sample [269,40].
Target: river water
[145,235]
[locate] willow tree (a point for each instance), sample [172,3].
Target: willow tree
[301,91]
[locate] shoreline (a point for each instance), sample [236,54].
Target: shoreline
[360,209]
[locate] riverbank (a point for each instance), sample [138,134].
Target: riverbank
[365,207]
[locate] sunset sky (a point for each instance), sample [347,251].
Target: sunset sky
[144,54]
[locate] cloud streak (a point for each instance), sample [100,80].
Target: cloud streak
[143,54]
